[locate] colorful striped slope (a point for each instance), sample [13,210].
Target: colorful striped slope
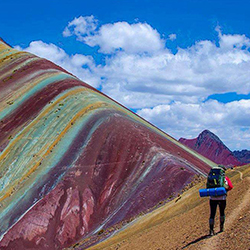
[73,161]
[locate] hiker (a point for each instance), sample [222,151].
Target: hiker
[218,200]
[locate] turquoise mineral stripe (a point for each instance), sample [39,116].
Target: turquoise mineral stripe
[51,161]
[31,92]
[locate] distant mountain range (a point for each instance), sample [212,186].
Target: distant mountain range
[209,145]
[243,155]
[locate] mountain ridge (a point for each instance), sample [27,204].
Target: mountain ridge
[211,146]
[242,155]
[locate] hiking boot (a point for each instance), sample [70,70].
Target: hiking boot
[211,232]
[211,227]
[222,220]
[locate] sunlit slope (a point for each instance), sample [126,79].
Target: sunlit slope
[73,161]
[172,226]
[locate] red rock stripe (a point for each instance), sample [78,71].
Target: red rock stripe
[26,70]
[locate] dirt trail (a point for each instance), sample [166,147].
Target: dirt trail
[183,223]
[213,242]
[241,174]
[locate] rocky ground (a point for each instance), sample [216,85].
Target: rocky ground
[183,223]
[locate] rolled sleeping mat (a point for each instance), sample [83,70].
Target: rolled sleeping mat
[212,191]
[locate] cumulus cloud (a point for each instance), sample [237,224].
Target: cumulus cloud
[229,42]
[134,38]
[81,26]
[131,38]
[190,75]
[141,72]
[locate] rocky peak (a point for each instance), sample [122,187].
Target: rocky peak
[210,145]
[207,135]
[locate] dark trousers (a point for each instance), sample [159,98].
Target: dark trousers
[213,206]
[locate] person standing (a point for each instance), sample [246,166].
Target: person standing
[221,202]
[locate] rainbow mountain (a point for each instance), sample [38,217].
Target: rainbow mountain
[74,162]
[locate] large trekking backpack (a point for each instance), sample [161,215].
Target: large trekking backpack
[216,178]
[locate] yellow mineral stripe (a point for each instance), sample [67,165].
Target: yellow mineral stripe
[15,53]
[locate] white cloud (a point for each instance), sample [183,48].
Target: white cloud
[131,38]
[79,65]
[81,27]
[134,38]
[230,42]
[172,37]
[188,120]
[190,75]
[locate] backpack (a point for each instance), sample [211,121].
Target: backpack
[216,178]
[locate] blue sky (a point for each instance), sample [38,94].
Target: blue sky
[182,65]
[192,20]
